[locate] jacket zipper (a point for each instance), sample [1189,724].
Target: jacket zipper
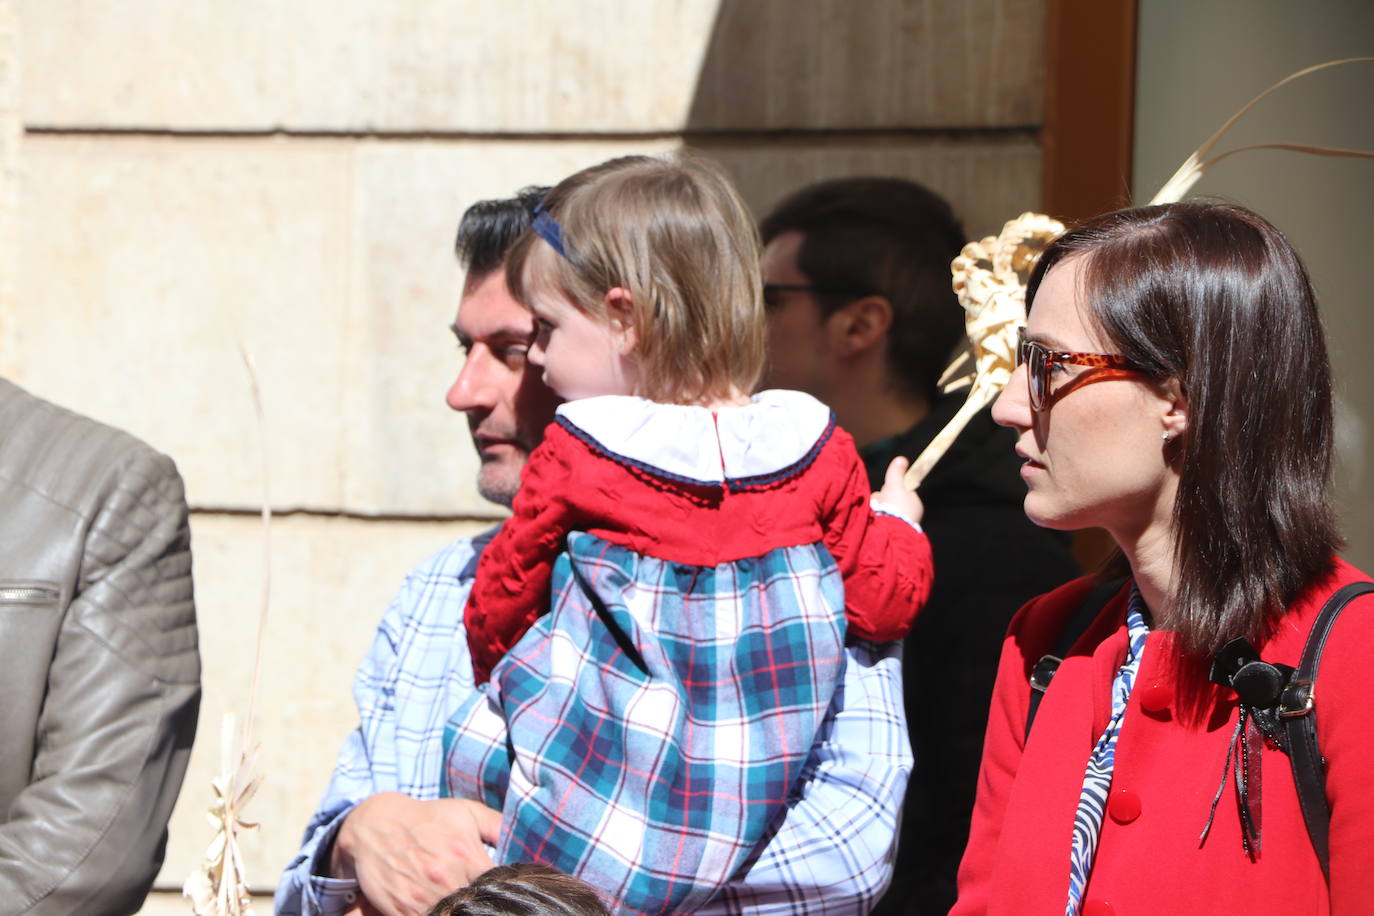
[22,594]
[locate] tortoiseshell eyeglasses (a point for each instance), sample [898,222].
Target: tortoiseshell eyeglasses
[1040,359]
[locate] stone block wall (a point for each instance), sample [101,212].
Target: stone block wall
[179,179]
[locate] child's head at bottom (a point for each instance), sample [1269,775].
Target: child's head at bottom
[522,890]
[643,276]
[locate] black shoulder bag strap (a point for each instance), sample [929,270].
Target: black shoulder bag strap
[1300,725]
[1077,625]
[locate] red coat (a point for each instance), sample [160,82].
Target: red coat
[1017,859]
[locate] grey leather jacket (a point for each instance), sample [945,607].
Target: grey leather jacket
[99,669]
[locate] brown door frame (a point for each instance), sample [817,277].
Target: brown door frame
[1089,130]
[1089,107]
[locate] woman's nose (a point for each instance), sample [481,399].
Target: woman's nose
[1012,407]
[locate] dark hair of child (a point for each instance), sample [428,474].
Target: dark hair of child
[522,890]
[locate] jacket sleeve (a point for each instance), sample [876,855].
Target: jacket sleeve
[884,559]
[305,887]
[87,833]
[366,765]
[1347,744]
[415,672]
[515,571]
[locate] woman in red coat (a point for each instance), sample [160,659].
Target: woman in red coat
[1206,452]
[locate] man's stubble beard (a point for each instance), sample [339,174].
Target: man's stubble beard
[498,483]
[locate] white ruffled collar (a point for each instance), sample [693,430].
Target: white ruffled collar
[774,433]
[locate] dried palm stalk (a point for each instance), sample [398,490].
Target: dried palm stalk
[990,278]
[1182,181]
[219,887]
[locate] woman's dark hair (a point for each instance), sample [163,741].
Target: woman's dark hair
[1214,296]
[522,890]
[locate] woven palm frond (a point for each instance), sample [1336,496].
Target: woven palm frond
[990,280]
[220,887]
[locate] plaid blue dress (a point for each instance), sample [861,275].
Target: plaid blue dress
[651,731]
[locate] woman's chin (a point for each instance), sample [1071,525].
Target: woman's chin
[1053,517]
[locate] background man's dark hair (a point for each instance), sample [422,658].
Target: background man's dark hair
[489,228]
[888,237]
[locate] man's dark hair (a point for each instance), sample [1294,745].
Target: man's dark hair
[522,890]
[886,237]
[489,228]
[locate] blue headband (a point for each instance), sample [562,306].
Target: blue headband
[548,229]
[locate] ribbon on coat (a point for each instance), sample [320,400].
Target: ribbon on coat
[1258,685]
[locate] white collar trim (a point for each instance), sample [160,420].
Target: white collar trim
[771,434]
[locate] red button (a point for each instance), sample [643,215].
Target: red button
[1098,908]
[1156,698]
[1123,806]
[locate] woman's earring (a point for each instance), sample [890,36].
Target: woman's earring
[1165,435]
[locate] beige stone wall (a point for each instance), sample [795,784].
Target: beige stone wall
[330,259]
[183,177]
[534,67]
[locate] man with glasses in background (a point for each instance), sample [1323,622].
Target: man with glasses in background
[862,316]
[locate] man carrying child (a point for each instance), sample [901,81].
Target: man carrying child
[828,849]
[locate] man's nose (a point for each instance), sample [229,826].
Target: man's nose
[474,388]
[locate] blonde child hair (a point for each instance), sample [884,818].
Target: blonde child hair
[675,234]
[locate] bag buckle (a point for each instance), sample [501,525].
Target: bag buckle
[1043,672]
[1296,699]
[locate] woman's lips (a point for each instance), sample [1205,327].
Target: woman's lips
[1024,453]
[1028,463]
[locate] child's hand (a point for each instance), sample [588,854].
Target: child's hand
[896,497]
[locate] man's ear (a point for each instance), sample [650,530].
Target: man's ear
[860,325]
[620,313]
